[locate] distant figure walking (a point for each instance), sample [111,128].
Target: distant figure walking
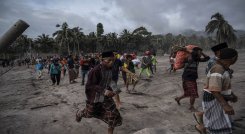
[55,72]
[131,77]
[154,62]
[71,67]
[145,64]
[85,67]
[64,66]
[39,68]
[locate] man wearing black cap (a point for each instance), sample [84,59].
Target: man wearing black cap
[99,93]
[217,94]
[216,49]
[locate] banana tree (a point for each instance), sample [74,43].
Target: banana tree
[77,37]
[62,37]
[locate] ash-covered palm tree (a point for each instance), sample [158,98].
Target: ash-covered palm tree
[45,43]
[124,39]
[21,45]
[169,41]
[100,29]
[125,35]
[224,31]
[180,40]
[112,41]
[141,39]
[62,37]
[91,44]
[76,37]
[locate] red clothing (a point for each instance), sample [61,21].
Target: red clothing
[190,88]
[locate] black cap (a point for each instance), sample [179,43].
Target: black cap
[196,49]
[228,53]
[107,54]
[219,47]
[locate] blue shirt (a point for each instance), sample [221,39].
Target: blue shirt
[55,68]
[39,66]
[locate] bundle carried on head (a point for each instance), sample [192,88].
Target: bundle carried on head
[182,55]
[177,48]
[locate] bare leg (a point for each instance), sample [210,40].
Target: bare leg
[110,130]
[199,113]
[198,117]
[118,102]
[192,101]
[200,128]
[134,85]
[177,99]
[127,88]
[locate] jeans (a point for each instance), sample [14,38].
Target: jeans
[83,74]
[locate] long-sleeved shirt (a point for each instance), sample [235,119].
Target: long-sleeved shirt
[99,80]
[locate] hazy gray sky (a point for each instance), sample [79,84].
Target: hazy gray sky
[158,16]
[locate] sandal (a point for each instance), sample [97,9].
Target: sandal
[177,100]
[78,116]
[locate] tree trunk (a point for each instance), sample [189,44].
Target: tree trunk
[78,47]
[68,48]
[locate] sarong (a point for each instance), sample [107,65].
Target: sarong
[131,79]
[215,119]
[72,74]
[190,88]
[105,111]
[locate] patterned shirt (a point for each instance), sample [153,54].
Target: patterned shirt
[146,61]
[99,80]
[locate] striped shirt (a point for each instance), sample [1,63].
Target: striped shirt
[218,79]
[191,67]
